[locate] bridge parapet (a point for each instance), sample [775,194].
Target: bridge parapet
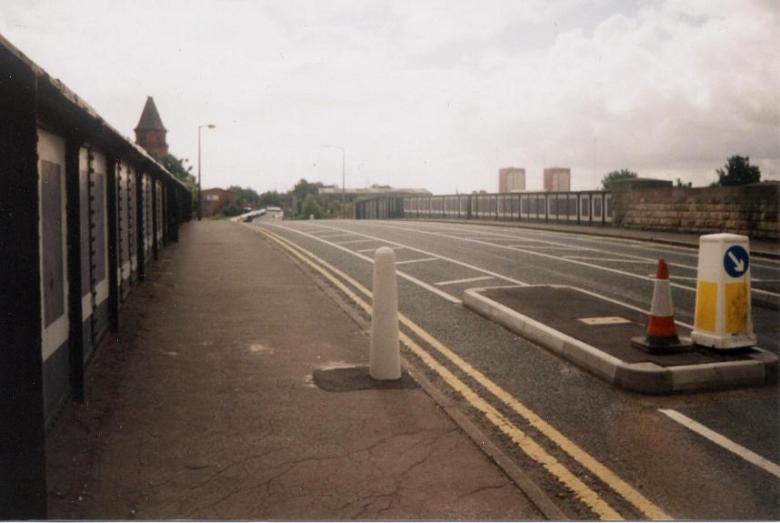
[84,211]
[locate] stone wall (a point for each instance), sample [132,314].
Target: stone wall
[748,209]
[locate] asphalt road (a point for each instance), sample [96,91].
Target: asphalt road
[709,455]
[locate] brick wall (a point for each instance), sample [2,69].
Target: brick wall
[748,209]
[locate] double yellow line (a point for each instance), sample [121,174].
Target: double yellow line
[522,440]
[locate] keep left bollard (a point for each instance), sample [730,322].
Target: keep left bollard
[384,354]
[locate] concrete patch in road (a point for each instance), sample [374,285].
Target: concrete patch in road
[550,316]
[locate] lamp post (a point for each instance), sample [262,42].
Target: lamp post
[200,201]
[343,175]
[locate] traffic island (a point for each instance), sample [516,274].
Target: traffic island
[595,334]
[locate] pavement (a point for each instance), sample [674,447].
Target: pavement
[552,316]
[206,405]
[758,247]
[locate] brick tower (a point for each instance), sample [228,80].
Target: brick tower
[150,132]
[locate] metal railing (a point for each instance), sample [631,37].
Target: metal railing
[583,207]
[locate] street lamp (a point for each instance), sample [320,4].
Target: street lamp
[343,170]
[200,202]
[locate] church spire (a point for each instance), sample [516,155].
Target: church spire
[150,131]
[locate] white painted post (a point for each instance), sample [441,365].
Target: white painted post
[384,355]
[311,216]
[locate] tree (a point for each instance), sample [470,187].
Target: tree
[738,171]
[311,207]
[272,198]
[304,188]
[231,209]
[180,168]
[610,178]
[246,196]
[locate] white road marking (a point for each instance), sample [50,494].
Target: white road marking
[353,241]
[524,244]
[418,260]
[558,248]
[638,244]
[464,280]
[544,255]
[373,249]
[331,236]
[569,246]
[432,254]
[449,297]
[572,260]
[596,258]
[719,439]
[690,278]
[498,275]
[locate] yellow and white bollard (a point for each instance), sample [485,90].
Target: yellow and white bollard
[723,318]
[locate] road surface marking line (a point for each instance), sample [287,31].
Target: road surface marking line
[569,447]
[563,245]
[464,280]
[331,236]
[552,256]
[672,277]
[518,282]
[445,258]
[535,231]
[621,260]
[555,247]
[721,440]
[418,260]
[352,241]
[641,245]
[523,441]
[449,297]
[373,249]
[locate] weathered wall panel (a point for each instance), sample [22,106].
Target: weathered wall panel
[54,276]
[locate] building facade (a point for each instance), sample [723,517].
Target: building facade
[213,199]
[557,179]
[150,132]
[511,179]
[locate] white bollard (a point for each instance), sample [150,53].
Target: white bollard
[384,355]
[311,216]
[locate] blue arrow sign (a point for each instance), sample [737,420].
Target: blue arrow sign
[736,261]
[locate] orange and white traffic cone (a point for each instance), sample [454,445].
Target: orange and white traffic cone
[661,329]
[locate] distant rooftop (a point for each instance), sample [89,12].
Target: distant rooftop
[150,118]
[372,190]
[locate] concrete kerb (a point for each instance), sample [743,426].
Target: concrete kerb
[645,377]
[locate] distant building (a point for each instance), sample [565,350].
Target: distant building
[557,179]
[213,199]
[150,131]
[511,179]
[333,192]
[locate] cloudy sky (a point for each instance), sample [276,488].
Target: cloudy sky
[426,93]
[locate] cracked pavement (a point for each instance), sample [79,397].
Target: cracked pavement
[186,418]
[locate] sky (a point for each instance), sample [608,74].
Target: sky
[435,94]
